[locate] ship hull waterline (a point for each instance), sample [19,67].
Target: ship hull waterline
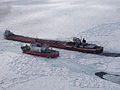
[42,54]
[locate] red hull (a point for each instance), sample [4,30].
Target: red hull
[43,54]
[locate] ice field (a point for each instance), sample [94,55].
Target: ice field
[95,20]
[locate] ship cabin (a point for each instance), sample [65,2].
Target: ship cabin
[8,33]
[78,43]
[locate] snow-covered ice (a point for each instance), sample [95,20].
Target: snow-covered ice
[96,20]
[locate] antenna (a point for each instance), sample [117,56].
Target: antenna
[81,37]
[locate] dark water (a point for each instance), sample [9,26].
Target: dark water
[115,78]
[109,54]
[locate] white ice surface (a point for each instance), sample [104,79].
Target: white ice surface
[96,20]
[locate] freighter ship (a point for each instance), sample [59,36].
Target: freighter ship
[75,45]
